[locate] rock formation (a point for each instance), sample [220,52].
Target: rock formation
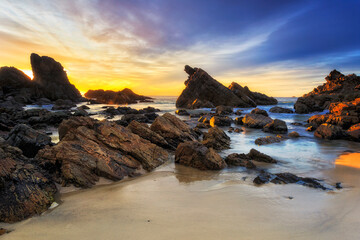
[336,89]
[203,91]
[126,96]
[216,138]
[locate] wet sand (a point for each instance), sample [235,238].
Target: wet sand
[177,202]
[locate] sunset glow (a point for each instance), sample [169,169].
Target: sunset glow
[349,160]
[278,48]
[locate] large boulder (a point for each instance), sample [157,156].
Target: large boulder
[260,157]
[329,131]
[276,126]
[51,79]
[224,110]
[24,189]
[28,140]
[220,121]
[200,86]
[239,160]
[173,130]
[269,139]
[280,110]
[216,138]
[126,96]
[89,149]
[338,87]
[259,111]
[255,120]
[197,155]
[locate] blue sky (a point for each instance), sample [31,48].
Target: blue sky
[280,47]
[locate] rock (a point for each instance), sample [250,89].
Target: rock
[251,99]
[182,112]
[337,88]
[231,129]
[354,132]
[89,149]
[3,231]
[259,111]
[144,131]
[196,155]
[151,116]
[150,110]
[276,126]
[296,124]
[220,121]
[27,139]
[268,140]
[135,117]
[173,130]
[238,130]
[280,110]
[239,121]
[81,112]
[294,134]
[24,189]
[256,120]
[287,178]
[202,91]
[260,157]
[61,104]
[52,80]
[328,131]
[242,160]
[202,125]
[224,110]
[238,112]
[311,129]
[84,107]
[216,138]
[126,96]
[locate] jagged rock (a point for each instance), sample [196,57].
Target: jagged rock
[144,131]
[329,131]
[251,99]
[216,138]
[280,110]
[61,104]
[260,157]
[89,149]
[336,89]
[24,189]
[173,129]
[182,112]
[269,140]
[242,160]
[276,126]
[27,139]
[220,121]
[354,132]
[256,120]
[294,134]
[224,110]
[286,178]
[197,155]
[52,80]
[259,111]
[239,121]
[202,88]
[126,96]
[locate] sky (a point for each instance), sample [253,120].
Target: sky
[278,47]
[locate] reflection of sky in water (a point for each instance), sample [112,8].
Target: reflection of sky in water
[303,155]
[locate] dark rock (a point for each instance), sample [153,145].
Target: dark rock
[251,99]
[151,116]
[182,112]
[125,96]
[276,126]
[135,117]
[224,110]
[61,104]
[238,112]
[354,132]
[27,139]
[196,155]
[260,157]
[280,110]
[242,160]
[81,112]
[296,124]
[24,189]
[216,138]
[328,131]
[239,121]
[238,130]
[256,120]
[269,140]
[220,121]
[294,134]
[89,149]
[311,129]
[259,111]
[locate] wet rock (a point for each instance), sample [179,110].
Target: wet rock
[354,132]
[238,112]
[336,89]
[173,129]
[196,155]
[24,189]
[220,121]
[216,138]
[144,131]
[287,178]
[256,120]
[268,140]
[280,110]
[239,121]
[202,125]
[135,117]
[81,112]
[224,110]
[259,111]
[296,124]
[276,126]
[242,160]
[61,104]
[328,131]
[231,129]
[294,134]
[126,96]
[89,149]
[260,157]
[238,130]
[182,112]
[203,91]
[311,129]
[28,140]
[84,107]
